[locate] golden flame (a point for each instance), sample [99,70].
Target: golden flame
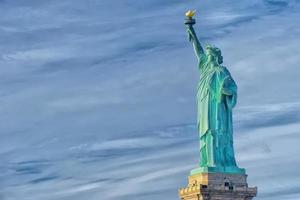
[190,13]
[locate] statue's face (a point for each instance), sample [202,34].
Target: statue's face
[209,51]
[212,56]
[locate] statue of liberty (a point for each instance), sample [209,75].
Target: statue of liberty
[216,97]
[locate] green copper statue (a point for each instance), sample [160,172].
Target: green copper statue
[216,97]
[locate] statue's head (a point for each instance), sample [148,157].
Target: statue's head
[215,53]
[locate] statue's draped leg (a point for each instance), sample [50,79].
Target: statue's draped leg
[203,151]
[218,149]
[210,149]
[207,149]
[222,151]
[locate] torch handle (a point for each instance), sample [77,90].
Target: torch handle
[190,21]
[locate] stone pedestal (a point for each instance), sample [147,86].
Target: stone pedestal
[217,186]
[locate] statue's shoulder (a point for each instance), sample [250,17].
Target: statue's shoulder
[203,59]
[225,70]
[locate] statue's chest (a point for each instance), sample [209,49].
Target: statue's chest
[210,83]
[212,77]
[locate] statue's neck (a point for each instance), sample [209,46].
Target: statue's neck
[211,61]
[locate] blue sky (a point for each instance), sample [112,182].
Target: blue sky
[98,97]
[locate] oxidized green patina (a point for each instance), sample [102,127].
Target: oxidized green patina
[216,97]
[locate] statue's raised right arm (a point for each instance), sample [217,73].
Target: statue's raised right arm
[193,38]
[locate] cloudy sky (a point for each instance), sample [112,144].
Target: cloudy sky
[97,98]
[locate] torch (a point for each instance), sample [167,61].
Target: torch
[189,20]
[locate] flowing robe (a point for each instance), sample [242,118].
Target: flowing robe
[216,97]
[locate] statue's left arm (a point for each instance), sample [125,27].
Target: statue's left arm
[229,89]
